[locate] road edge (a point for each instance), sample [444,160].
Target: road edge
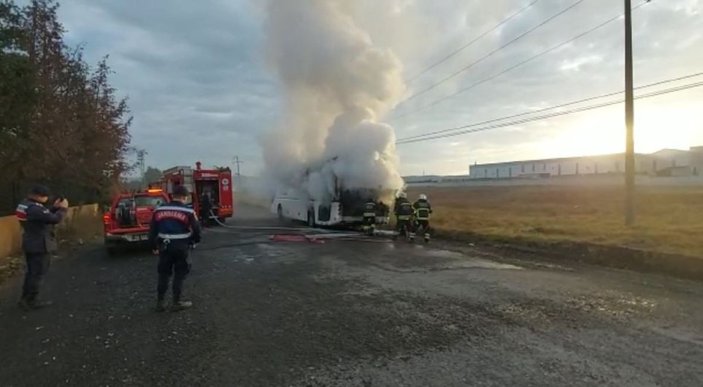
[618,257]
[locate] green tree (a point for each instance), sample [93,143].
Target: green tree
[60,121]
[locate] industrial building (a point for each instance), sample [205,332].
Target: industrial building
[666,162]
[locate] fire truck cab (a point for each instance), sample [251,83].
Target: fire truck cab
[198,181]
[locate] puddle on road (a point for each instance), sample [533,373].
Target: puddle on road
[479,263]
[465,261]
[444,254]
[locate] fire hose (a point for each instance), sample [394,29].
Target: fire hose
[261,228]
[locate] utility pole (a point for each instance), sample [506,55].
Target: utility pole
[141,153]
[629,121]
[237,162]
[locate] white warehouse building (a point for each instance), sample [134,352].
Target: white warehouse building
[666,162]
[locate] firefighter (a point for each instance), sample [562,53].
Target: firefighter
[403,211]
[38,241]
[423,209]
[369,222]
[174,231]
[205,207]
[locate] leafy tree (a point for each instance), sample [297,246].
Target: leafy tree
[60,121]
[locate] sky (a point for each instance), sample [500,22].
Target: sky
[200,87]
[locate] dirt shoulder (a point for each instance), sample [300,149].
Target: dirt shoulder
[578,223]
[646,261]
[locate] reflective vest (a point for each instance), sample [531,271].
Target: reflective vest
[422,210]
[370,210]
[404,210]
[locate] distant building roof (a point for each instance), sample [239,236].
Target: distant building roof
[559,159]
[537,161]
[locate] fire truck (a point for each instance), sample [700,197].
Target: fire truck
[128,218]
[218,182]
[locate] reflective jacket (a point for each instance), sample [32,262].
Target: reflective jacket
[423,209]
[370,209]
[403,209]
[37,221]
[400,202]
[176,223]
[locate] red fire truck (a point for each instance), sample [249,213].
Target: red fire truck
[218,182]
[128,218]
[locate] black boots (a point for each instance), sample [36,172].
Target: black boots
[175,306]
[181,305]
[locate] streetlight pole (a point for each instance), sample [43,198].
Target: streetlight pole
[629,121]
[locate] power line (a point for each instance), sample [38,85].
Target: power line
[474,40]
[459,131]
[472,64]
[520,64]
[681,78]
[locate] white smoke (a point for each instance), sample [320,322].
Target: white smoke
[337,84]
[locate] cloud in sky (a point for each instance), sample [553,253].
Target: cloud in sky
[200,89]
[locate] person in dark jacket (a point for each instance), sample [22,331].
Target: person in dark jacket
[423,210]
[369,216]
[173,231]
[38,241]
[403,211]
[205,207]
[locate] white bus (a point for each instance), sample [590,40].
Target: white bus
[344,210]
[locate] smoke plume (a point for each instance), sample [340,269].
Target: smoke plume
[336,86]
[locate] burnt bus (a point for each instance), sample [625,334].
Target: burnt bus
[345,209]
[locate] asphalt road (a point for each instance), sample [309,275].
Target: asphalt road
[363,312]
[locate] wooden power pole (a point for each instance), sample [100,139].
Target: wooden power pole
[629,121]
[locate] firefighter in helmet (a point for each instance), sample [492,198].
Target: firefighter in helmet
[423,210]
[403,211]
[174,230]
[369,223]
[205,207]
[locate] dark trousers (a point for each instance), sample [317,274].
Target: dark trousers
[172,261]
[402,225]
[37,267]
[425,225]
[205,216]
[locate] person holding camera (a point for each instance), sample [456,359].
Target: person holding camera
[38,241]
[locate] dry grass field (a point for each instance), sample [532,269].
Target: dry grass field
[669,219]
